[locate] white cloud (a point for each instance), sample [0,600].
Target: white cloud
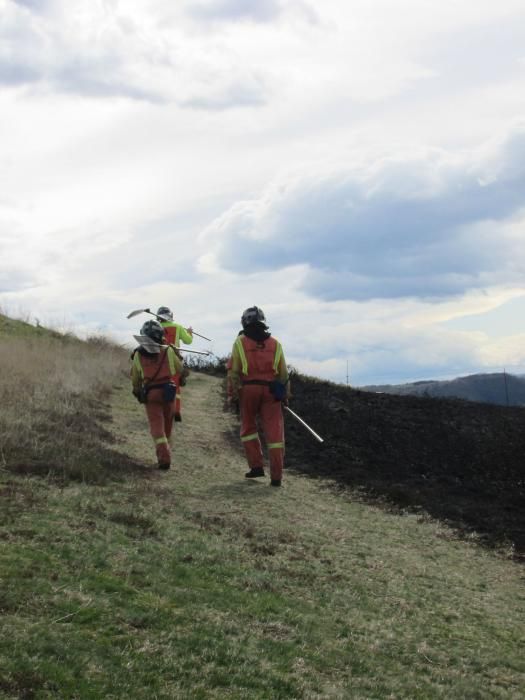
[104,50]
[130,128]
[235,10]
[431,227]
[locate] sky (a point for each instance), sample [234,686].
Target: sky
[356,168]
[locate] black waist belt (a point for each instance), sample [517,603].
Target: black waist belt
[259,382]
[147,387]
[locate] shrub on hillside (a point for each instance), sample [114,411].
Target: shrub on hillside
[209,364]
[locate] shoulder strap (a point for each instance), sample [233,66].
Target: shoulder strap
[242,355]
[159,367]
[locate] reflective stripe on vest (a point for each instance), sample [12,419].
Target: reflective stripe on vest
[244,360]
[172,361]
[136,363]
[278,355]
[242,355]
[172,332]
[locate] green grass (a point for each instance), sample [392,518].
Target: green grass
[18,328]
[135,592]
[196,583]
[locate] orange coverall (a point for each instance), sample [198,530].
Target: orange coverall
[157,370]
[174,333]
[260,362]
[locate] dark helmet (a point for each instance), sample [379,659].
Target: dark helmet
[153,330]
[253,315]
[165,312]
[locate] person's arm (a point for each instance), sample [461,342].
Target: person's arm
[284,377]
[174,360]
[137,375]
[186,335]
[235,372]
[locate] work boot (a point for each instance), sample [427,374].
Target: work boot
[254,473]
[177,417]
[164,465]
[275,482]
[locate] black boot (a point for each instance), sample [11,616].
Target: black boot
[254,473]
[177,417]
[164,465]
[275,482]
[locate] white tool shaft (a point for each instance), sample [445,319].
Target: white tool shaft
[132,314]
[316,436]
[151,346]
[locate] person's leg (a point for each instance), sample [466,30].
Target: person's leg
[155,412]
[273,426]
[168,410]
[177,415]
[250,397]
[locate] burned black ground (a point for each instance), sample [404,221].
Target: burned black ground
[458,461]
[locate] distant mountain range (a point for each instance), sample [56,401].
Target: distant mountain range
[498,388]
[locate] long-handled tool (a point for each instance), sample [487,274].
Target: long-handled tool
[298,418]
[152,346]
[159,318]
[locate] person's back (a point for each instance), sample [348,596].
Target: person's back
[175,333]
[259,377]
[153,366]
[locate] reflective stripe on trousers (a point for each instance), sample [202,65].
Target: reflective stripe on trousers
[257,401]
[160,417]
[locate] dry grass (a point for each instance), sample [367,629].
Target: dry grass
[53,394]
[197,583]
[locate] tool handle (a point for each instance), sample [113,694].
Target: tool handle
[298,418]
[201,336]
[194,352]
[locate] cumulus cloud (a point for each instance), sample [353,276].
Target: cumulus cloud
[261,12]
[235,10]
[32,4]
[104,50]
[424,227]
[365,261]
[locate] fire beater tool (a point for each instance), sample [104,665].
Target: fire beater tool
[152,346]
[160,318]
[298,418]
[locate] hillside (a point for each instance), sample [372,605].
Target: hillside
[128,582]
[497,388]
[53,392]
[459,461]
[17,328]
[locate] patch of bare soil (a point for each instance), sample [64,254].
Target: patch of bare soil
[461,462]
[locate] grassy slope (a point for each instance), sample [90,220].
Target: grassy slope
[18,328]
[54,393]
[198,584]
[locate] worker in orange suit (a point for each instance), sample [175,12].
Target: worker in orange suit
[154,365]
[175,333]
[260,380]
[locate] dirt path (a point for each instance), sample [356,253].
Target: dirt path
[207,483]
[202,443]
[383,592]
[208,469]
